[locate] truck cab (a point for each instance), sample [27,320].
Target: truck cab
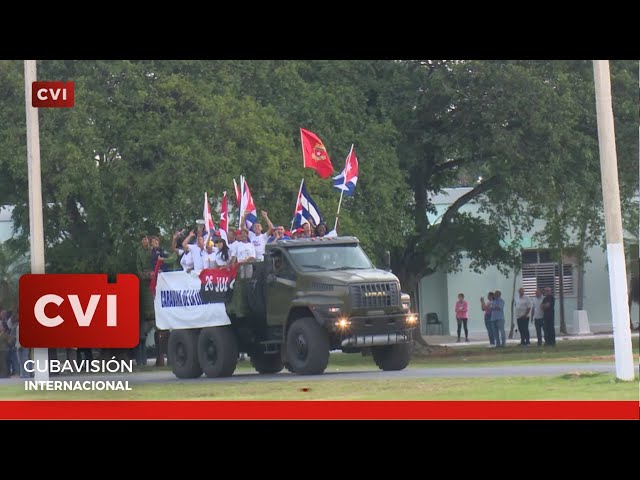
[307,298]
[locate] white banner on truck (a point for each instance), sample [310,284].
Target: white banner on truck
[178,303]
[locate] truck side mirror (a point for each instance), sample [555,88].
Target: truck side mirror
[386,258]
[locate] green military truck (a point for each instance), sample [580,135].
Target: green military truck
[308,297]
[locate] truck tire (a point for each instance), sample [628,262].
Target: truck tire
[392,357]
[183,353]
[266,363]
[307,347]
[217,351]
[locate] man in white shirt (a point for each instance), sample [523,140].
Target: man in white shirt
[245,254]
[537,314]
[195,249]
[256,237]
[523,308]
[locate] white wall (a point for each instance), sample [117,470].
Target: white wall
[6,225]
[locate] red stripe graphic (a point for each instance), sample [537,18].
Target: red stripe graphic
[316,410]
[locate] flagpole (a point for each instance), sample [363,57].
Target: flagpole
[297,197]
[204,215]
[303,159]
[338,212]
[342,190]
[241,198]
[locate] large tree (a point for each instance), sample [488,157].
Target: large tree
[147,138]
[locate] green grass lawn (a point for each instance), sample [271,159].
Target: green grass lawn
[566,351]
[594,386]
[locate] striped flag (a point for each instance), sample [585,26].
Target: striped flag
[306,209]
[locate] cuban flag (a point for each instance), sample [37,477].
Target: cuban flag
[346,181]
[247,205]
[306,209]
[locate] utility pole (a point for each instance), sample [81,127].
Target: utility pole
[613,222]
[36,230]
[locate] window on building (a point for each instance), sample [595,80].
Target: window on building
[540,271]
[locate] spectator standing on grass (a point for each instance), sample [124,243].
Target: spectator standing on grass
[486,308]
[462,316]
[12,359]
[23,353]
[523,309]
[497,317]
[537,314]
[5,344]
[548,306]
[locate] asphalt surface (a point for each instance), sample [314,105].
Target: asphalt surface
[167,377]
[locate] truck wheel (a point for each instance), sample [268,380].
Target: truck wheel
[217,351]
[392,357]
[266,363]
[307,347]
[183,353]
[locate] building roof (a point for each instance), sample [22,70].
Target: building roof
[448,195]
[5,213]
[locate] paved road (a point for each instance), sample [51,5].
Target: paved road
[165,377]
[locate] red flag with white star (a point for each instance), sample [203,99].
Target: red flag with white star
[224,212]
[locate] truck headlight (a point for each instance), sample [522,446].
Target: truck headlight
[412,319]
[343,323]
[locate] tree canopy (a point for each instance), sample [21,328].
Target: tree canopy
[145,139]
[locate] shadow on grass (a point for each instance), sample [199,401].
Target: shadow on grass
[574,375]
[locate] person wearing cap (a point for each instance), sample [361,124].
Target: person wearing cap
[209,256]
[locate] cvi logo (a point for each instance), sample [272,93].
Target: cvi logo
[78,311]
[52,94]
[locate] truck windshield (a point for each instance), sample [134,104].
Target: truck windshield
[334,257]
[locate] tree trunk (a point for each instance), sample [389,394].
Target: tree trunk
[580,258]
[581,284]
[634,296]
[513,296]
[409,283]
[634,280]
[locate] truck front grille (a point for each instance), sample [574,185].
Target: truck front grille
[375,295]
